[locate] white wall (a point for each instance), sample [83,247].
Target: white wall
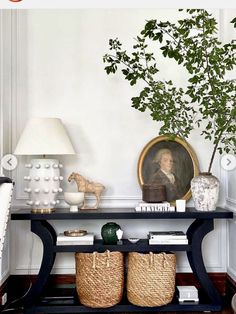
[230,177]
[231,227]
[5,114]
[59,72]
[231,204]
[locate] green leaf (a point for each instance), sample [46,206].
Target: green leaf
[234,22]
[207,101]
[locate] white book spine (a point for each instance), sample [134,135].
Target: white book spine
[154,208]
[168,237]
[87,237]
[167,241]
[75,243]
[71,239]
[164,238]
[153,204]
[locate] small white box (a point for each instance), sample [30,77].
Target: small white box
[188,294]
[180,205]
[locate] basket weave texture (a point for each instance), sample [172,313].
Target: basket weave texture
[100,278]
[151,278]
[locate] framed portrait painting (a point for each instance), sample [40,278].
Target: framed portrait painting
[170,162]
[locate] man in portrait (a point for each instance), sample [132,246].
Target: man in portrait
[164,175]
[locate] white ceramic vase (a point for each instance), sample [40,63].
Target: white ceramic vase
[205,191]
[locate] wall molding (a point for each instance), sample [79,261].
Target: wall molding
[18,118]
[225,17]
[1,85]
[232,273]
[231,203]
[6,52]
[19,91]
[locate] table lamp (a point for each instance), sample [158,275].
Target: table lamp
[43,136]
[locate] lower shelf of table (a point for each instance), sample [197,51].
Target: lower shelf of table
[64,306]
[124,308]
[66,301]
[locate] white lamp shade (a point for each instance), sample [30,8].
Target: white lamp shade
[44,136]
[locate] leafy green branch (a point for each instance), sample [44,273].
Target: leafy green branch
[208,99]
[160,97]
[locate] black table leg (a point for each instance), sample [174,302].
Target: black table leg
[196,232]
[48,237]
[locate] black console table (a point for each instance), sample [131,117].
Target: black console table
[203,223]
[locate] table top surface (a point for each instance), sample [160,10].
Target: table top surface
[120,213]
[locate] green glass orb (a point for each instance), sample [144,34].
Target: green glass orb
[108,233]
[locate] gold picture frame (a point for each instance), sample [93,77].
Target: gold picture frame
[179,165]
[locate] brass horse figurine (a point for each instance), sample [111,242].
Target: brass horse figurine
[87,186]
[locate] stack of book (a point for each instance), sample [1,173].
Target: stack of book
[154,207]
[167,237]
[87,239]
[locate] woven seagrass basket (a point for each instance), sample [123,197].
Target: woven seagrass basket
[151,278]
[100,278]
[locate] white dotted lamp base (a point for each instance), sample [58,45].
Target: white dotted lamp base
[43,184]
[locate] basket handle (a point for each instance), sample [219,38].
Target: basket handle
[151,259]
[108,258]
[94,259]
[165,262]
